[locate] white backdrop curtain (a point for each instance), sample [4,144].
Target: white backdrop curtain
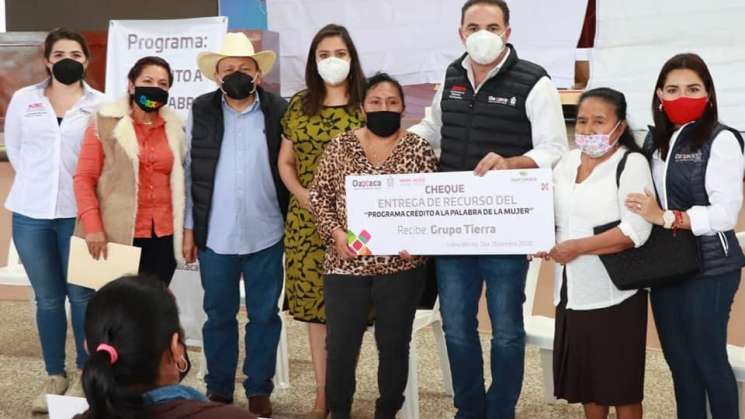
[415,40]
[635,37]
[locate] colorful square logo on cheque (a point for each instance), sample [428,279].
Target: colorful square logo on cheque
[358,242]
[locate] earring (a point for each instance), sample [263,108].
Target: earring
[184,368]
[660,107]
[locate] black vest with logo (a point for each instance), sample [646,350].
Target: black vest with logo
[206,141]
[686,187]
[492,120]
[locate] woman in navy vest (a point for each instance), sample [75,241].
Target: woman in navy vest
[697,166]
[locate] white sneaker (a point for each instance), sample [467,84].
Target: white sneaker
[56,384]
[76,389]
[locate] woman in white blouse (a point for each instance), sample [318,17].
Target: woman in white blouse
[44,127]
[600,337]
[697,165]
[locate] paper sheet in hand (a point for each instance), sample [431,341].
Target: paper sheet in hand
[65,407]
[85,271]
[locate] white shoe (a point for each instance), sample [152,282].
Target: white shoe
[76,389]
[56,384]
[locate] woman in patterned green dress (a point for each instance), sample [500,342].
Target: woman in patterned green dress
[330,105]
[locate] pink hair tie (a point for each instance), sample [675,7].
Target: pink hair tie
[110,349]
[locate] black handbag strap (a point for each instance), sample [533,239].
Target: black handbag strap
[621,166]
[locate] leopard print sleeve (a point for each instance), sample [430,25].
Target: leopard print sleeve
[430,162]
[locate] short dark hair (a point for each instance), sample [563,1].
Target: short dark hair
[316,88]
[381,77]
[499,3]
[702,129]
[618,101]
[137,316]
[143,62]
[60,34]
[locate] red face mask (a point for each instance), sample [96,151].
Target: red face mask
[684,109]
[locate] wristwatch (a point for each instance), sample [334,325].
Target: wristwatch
[668,219]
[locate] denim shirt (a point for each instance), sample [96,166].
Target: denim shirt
[173,392]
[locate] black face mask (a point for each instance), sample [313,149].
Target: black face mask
[182,375]
[383,123]
[238,85]
[68,71]
[150,98]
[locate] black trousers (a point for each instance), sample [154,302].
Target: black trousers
[157,257]
[348,300]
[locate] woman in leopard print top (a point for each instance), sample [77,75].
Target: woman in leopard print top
[391,285]
[346,155]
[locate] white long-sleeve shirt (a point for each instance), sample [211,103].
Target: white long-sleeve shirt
[44,153]
[724,174]
[543,109]
[580,207]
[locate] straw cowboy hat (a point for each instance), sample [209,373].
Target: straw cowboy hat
[235,44]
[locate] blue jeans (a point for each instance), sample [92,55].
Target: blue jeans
[459,281]
[691,319]
[44,247]
[263,276]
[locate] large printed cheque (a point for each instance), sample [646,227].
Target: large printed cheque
[505,212]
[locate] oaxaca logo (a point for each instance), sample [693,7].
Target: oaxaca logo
[358,242]
[689,157]
[499,100]
[367,184]
[503,100]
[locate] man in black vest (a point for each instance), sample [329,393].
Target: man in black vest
[493,111]
[234,217]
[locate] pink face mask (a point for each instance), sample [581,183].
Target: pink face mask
[595,145]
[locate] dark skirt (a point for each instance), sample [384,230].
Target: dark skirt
[599,355]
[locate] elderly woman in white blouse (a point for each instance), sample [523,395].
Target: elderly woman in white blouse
[599,344]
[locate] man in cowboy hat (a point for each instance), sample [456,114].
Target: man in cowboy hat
[235,210]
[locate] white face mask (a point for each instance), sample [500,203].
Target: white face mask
[484,47]
[333,70]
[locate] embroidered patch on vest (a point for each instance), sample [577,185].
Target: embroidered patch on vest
[503,100]
[457,92]
[689,157]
